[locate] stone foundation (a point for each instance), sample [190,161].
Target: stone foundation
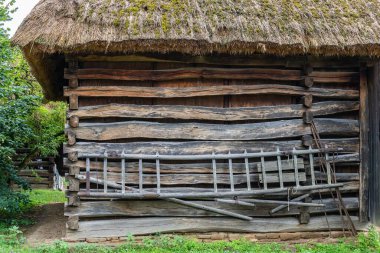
[221,236]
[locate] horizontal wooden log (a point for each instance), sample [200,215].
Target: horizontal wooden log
[198,168]
[40,186]
[252,60]
[340,177]
[191,179]
[199,91]
[198,131]
[37,180]
[202,147]
[160,208]
[185,73]
[32,173]
[209,73]
[211,113]
[148,226]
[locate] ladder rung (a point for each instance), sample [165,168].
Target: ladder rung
[247,172]
[312,172]
[279,167]
[295,165]
[105,174]
[88,170]
[140,175]
[231,173]
[214,174]
[263,171]
[158,173]
[328,168]
[123,175]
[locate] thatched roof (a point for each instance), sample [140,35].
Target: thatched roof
[280,27]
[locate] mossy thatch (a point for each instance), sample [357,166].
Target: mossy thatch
[197,27]
[282,27]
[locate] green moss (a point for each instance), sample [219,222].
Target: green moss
[165,16]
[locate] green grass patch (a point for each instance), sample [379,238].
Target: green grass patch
[44,197]
[370,243]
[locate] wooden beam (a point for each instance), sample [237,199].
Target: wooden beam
[208,113]
[212,73]
[185,73]
[201,147]
[161,208]
[364,143]
[252,60]
[192,179]
[198,91]
[149,226]
[198,131]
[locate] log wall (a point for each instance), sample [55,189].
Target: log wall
[200,105]
[39,172]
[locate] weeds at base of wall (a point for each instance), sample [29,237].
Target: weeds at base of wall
[11,240]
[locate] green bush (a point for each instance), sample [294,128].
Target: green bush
[25,120]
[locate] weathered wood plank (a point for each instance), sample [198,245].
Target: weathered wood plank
[203,168]
[36,173]
[199,91]
[340,177]
[191,179]
[254,60]
[160,208]
[211,113]
[185,73]
[198,131]
[202,147]
[147,226]
[364,143]
[210,73]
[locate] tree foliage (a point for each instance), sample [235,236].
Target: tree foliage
[25,121]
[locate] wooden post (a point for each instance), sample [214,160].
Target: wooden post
[73,222]
[73,156]
[71,138]
[307,100]
[307,140]
[74,121]
[73,184]
[74,104]
[364,149]
[73,66]
[307,117]
[304,217]
[374,143]
[308,81]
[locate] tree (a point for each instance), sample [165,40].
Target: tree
[24,120]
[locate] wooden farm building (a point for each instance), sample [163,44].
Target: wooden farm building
[197,116]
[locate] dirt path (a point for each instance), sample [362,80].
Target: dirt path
[50,224]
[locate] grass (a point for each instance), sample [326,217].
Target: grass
[9,228]
[12,240]
[161,244]
[44,197]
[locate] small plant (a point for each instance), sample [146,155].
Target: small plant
[369,242]
[11,236]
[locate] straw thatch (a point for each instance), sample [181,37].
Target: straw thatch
[349,27]
[280,27]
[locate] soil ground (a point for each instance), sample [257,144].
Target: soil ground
[50,224]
